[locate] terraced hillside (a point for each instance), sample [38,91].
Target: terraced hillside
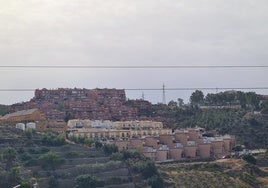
[55,165]
[231,173]
[29,157]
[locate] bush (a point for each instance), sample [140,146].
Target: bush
[32,162]
[156,182]
[98,145]
[25,184]
[250,179]
[9,156]
[33,151]
[149,169]
[71,154]
[88,180]
[250,159]
[53,182]
[50,160]
[25,156]
[52,139]
[81,140]
[115,180]
[44,149]
[110,148]
[13,176]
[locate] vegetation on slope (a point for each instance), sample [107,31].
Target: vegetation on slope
[233,173]
[45,159]
[241,114]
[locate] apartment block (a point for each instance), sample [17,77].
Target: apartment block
[153,140]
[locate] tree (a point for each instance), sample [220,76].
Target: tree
[68,116]
[172,103]
[13,176]
[3,110]
[250,159]
[197,97]
[149,170]
[9,156]
[180,102]
[87,180]
[110,148]
[156,181]
[25,184]
[29,133]
[53,182]
[52,139]
[50,160]
[265,107]
[98,144]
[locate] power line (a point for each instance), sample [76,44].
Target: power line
[159,89]
[130,67]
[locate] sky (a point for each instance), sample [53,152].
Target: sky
[132,33]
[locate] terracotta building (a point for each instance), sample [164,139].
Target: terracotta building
[204,150]
[24,116]
[153,140]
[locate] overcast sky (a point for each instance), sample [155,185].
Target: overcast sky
[132,32]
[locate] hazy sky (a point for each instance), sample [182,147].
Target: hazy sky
[132,32]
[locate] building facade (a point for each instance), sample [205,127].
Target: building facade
[153,140]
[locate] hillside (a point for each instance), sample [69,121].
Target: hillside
[243,114]
[29,157]
[232,173]
[250,129]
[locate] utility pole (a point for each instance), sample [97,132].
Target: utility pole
[142,96]
[164,95]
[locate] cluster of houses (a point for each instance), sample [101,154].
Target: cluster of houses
[84,104]
[148,137]
[153,140]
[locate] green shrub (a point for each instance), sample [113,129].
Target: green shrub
[250,159]
[44,149]
[25,156]
[53,182]
[50,160]
[71,154]
[88,180]
[32,162]
[52,139]
[250,179]
[115,180]
[155,181]
[110,148]
[25,184]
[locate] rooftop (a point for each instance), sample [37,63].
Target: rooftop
[19,113]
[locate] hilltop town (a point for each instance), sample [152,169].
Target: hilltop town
[89,114]
[97,104]
[133,134]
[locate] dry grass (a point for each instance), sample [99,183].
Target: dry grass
[217,174]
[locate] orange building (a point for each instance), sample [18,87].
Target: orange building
[136,142]
[24,116]
[217,147]
[151,142]
[166,139]
[204,150]
[162,154]
[190,151]
[176,153]
[150,153]
[182,137]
